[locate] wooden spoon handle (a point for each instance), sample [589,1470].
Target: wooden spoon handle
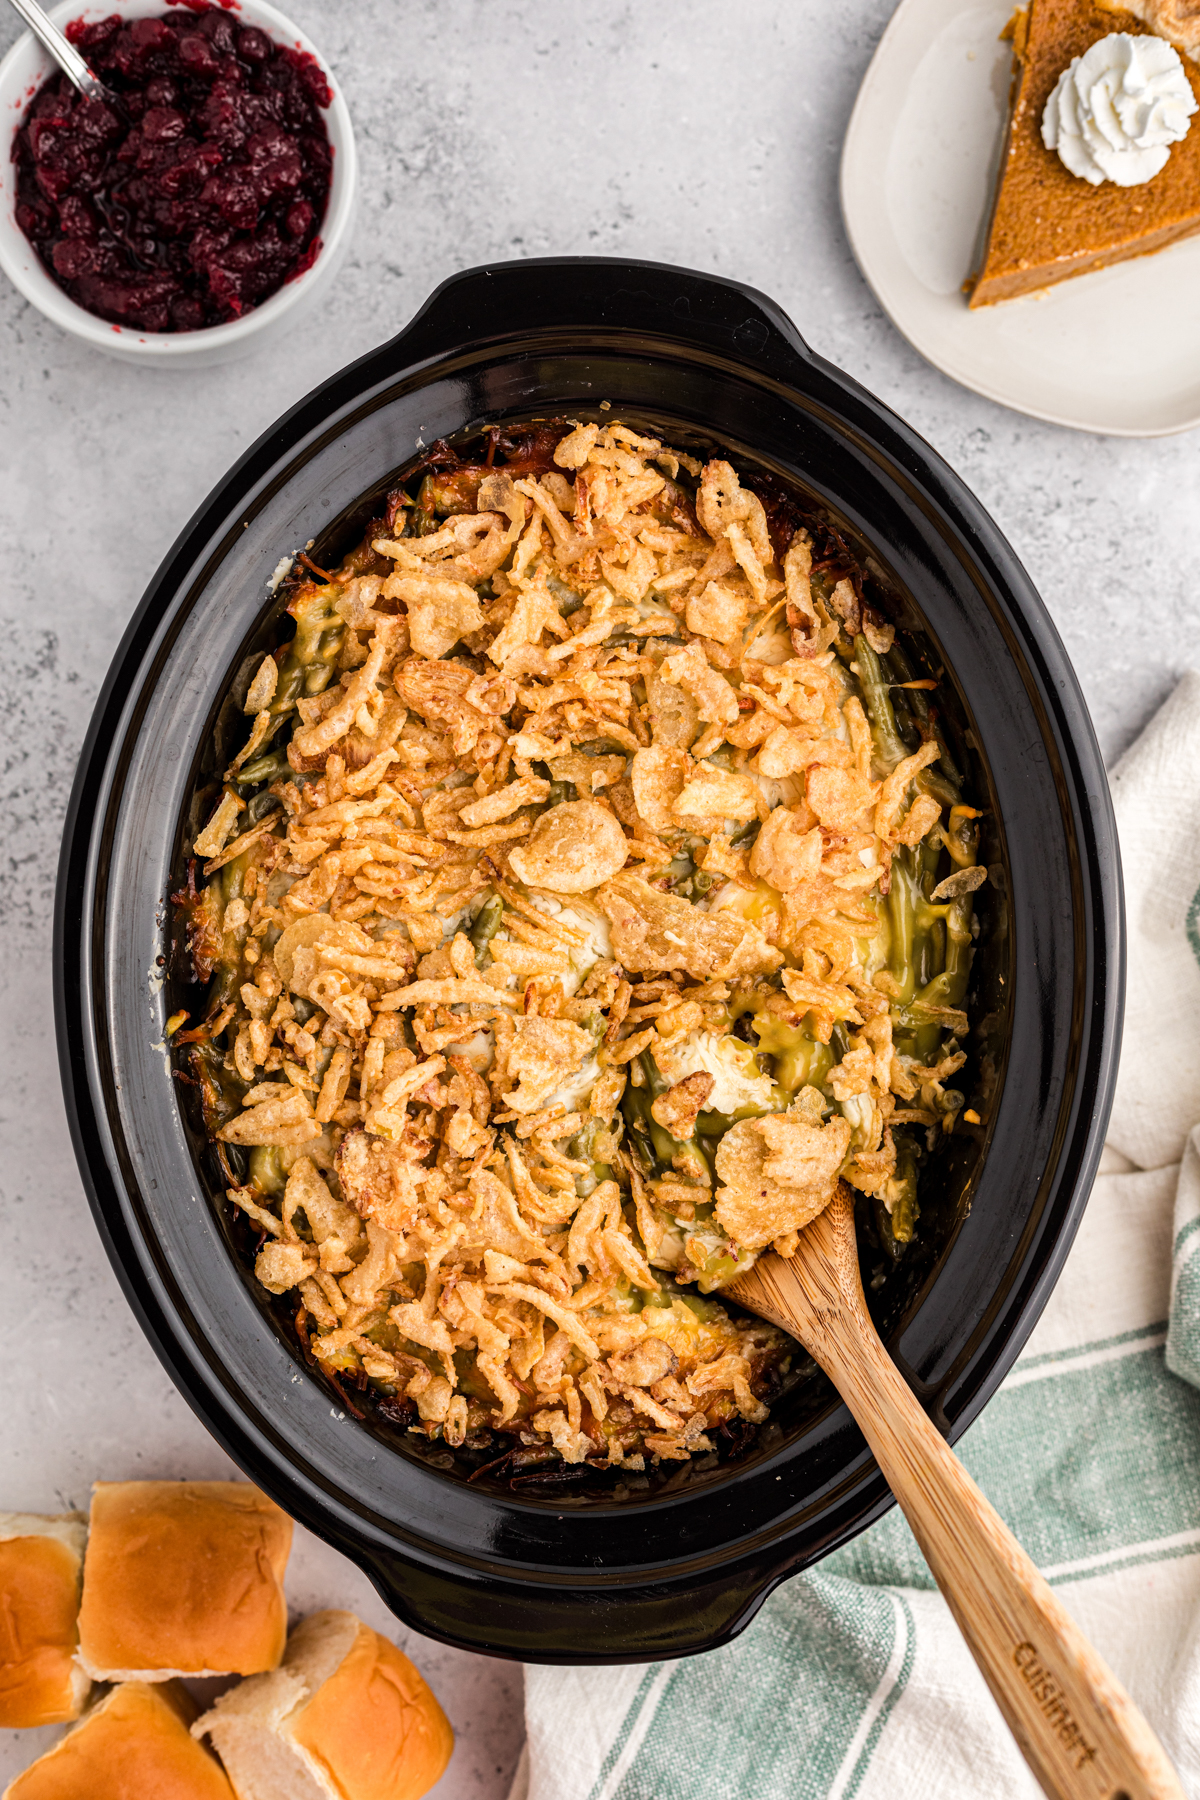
[1076,1726]
[1078,1729]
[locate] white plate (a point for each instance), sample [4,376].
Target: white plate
[1115,352]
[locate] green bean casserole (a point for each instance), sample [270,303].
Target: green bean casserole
[591,894]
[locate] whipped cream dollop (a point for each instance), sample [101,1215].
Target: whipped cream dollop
[1118,108]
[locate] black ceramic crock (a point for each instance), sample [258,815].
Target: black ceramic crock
[684,1567]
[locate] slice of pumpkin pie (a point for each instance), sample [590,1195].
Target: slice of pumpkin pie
[1109,169]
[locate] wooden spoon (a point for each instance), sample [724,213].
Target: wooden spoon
[1076,1726]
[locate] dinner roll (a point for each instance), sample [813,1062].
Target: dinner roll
[183,1578]
[134,1742]
[347,1717]
[40,1560]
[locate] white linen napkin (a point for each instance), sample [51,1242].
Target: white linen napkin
[853,1683]
[1156,793]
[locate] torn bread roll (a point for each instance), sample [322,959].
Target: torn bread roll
[40,1562]
[183,1578]
[133,1742]
[347,1717]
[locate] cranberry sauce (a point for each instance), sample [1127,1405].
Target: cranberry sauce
[204,198]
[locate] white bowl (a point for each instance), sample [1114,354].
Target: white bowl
[24,70]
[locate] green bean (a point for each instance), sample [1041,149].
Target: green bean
[273,760]
[928,942]
[680,871]
[582,1147]
[383,1332]
[714,1124]
[665,1145]
[259,806]
[319,673]
[800,1059]
[221,1091]
[266,1170]
[485,927]
[936,943]
[962,836]
[306,668]
[906,728]
[316,618]
[916,1016]
[635,1106]
[690,1162]
[290,684]
[901,909]
[228,973]
[923,953]
[720,1268]
[873,682]
[895,1227]
[924,934]
[657,1301]
[424,518]
[906,1212]
[919,705]
[932,781]
[925,861]
[681,1154]
[950,987]
[233,876]
[307,664]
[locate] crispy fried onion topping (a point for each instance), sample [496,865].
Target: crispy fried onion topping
[572,827]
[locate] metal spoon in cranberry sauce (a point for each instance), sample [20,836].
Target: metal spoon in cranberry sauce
[63,51]
[192,185]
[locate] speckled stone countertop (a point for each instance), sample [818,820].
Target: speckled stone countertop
[706,135]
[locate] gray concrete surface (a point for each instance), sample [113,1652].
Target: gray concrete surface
[703,134]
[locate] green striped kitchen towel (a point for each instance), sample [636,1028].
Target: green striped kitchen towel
[852,1683]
